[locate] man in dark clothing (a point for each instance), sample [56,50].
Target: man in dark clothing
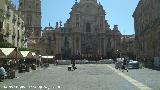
[73,62]
[124,65]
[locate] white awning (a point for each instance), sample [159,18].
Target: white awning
[33,53]
[44,57]
[48,57]
[24,53]
[7,51]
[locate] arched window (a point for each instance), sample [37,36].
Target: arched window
[88,27]
[66,42]
[29,19]
[77,43]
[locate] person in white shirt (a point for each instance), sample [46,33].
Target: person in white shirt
[2,72]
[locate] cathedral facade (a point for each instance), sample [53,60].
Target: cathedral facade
[86,33]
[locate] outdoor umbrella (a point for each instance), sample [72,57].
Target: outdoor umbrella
[30,55]
[24,53]
[7,51]
[15,54]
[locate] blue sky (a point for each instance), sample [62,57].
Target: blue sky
[117,12]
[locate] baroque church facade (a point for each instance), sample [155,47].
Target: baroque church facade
[86,33]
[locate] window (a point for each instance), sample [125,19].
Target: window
[77,43]
[159,37]
[1,25]
[101,21]
[51,51]
[88,27]
[18,35]
[8,28]
[77,17]
[29,18]
[77,24]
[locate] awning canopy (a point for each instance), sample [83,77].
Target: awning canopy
[29,55]
[49,57]
[2,55]
[7,51]
[15,54]
[24,53]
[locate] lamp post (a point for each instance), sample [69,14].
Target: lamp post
[33,53]
[117,54]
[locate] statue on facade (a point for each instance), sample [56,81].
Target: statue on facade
[76,1]
[60,23]
[56,24]
[115,27]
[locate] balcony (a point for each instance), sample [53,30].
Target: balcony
[14,35]
[7,33]
[18,23]
[22,40]
[2,15]
[14,19]
[8,14]
[22,26]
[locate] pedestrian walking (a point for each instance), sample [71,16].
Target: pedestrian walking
[141,62]
[55,62]
[119,64]
[73,62]
[125,65]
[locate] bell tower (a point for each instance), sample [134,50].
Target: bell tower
[31,11]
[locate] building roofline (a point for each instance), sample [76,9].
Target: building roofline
[137,8]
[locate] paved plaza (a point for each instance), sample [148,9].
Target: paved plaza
[86,77]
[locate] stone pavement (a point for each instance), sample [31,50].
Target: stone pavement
[86,77]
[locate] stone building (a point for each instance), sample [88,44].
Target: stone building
[31,10]
[11,24]
[128,46]
[86,33]
[2,17]
[147,28]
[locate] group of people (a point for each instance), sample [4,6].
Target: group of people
[125,65]
[122,65]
